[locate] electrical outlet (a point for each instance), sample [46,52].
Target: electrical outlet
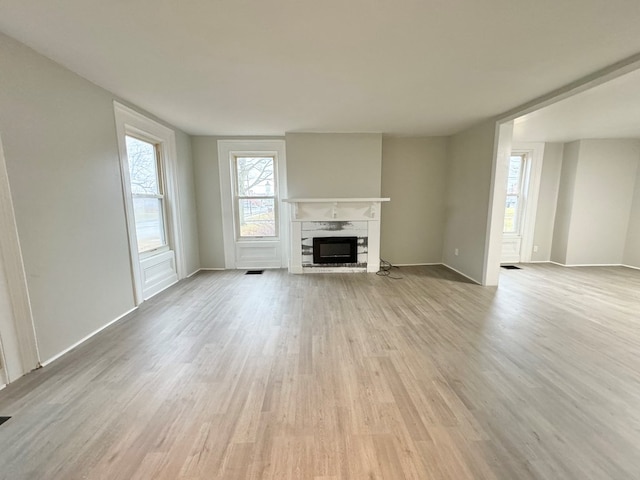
[535,248]
[455,252]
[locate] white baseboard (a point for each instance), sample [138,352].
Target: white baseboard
[207,269]
[415,264]
[193,273]
[3,385]
[67,350]
[571,265]
[460,273]
[595,265]
[630,266]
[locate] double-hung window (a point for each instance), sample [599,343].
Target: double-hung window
[256,209]
[147,191]
[515,185]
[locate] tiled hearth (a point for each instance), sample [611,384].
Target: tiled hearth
[335,217]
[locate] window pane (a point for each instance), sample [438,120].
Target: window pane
[515,172]
[255,176]
[511,214]
[257,217]
[149,223]
[143,166]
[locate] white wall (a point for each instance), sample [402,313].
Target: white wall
[61,151]
[595,201]
[470,161]
[334,164]
[632,247]
[414,177]
[547,201]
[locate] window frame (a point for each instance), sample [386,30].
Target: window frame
[237,197]
[130,122]
[520,195]
[160,178]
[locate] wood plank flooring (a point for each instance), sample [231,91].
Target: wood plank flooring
[355,376]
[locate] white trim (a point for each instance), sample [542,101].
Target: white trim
[129,121]
[572,265]
[606,74]
[460,273]
[337,200]
[497,200]
[24,334]
[226,150]
[67,350]
[535,151]
[414,264]
[164,287]
[210,269]
[594,265]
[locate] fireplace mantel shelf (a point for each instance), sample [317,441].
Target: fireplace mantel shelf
[335,200]
[338,209]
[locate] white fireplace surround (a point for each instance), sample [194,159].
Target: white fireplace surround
[335,210]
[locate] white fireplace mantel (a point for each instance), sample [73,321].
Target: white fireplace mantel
[335,210]
[340,209]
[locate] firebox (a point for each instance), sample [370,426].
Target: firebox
[335,250]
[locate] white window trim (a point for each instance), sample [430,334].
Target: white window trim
[530,194]
[227,149]
[130,122]
[19,351]
[521,195]
[237,197]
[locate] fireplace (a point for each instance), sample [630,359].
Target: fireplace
[354,223]
[335,250]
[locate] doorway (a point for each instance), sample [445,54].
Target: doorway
[252,186]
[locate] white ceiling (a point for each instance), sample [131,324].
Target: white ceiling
[611,110]
[265,67]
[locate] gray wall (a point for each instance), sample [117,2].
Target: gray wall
[547,201]
[59,138]
[207,177]
[333,164]
[414,177]
[188,211]
[595,201]
[632,248]
[470,161]
[565,202]
[209,213]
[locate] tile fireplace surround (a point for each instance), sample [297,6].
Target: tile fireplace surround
[334,217]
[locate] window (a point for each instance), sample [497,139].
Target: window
[255,196]
[147,192]
[514,205]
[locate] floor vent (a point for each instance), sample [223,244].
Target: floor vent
[254,272]
[510,267]
[3,419]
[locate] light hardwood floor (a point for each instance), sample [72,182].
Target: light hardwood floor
[355,376]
